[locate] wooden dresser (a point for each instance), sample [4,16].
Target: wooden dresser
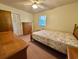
[11,47]
[27,28]
[72,53]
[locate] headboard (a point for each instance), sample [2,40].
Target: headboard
[75,32]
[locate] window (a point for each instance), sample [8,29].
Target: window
[42,21]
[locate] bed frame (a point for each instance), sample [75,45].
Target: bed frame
[75,32]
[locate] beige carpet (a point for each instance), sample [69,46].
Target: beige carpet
[39,51]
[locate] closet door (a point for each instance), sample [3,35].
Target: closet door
[17,26]
[5,21]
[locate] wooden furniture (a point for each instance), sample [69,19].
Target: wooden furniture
[27,28]
[5,21]
[11,47]
[75,32]
[72,53]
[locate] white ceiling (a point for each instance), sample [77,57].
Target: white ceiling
[48,4]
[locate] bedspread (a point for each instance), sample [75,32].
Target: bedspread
[55,39]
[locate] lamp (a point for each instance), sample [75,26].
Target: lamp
[34,6]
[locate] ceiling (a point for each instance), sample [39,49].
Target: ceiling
[48,4]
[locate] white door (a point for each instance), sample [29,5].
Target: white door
[17,27]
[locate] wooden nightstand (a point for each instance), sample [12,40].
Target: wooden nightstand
[72,52]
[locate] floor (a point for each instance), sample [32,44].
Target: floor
[40,51]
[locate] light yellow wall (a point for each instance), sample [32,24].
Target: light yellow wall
[61,18]
[24,16]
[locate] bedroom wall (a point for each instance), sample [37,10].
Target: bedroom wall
[61,18]
[24,17]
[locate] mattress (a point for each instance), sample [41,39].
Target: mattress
[55,39]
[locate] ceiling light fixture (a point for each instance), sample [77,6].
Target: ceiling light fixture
[34,6]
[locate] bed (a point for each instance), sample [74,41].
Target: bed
[55,39]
